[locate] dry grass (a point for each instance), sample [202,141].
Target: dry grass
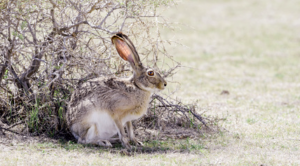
[249,48]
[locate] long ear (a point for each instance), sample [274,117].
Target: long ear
[127,50]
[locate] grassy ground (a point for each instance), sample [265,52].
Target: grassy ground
[249,48]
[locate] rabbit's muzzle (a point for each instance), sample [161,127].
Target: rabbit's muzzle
[162,85]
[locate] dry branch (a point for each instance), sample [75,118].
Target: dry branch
[171,106]
[48,47]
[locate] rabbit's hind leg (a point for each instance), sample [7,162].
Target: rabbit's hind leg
[88,134]
[104,143]
[92,137]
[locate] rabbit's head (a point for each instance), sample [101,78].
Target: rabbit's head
[144,78]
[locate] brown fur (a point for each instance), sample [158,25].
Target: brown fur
[119,98]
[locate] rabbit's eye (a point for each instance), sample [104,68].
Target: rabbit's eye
[151,73]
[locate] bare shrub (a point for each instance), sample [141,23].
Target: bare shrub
[49,47]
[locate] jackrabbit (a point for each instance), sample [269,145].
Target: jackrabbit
[99,108]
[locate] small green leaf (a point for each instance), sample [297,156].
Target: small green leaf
[23,25]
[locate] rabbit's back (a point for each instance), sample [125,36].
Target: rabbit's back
[113,95]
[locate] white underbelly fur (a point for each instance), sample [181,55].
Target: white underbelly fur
[106,127]
[105,124]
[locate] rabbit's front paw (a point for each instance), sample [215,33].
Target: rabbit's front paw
[125,143]
[136,142]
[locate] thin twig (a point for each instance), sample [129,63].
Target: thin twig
[184,110]
[107,15]
[13,125]
[53,3]
[10,131]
